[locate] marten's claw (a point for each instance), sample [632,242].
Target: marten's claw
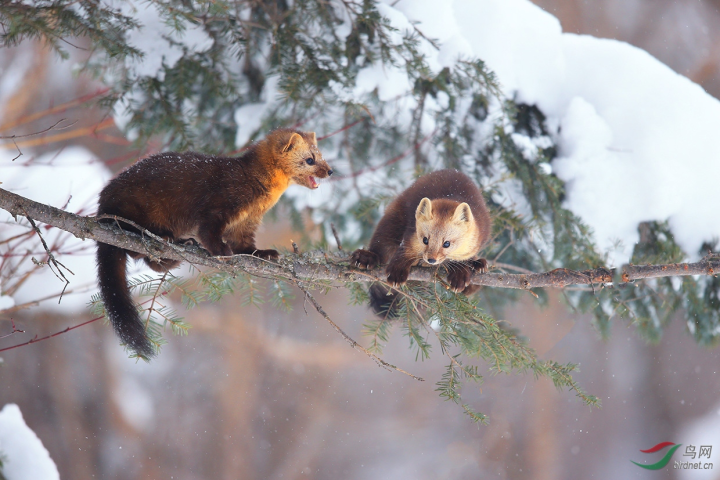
[267,254]
[459,277]
[364,259]
[397,278]
[479,265]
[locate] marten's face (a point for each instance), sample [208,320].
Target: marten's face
[303,159]
[445,230]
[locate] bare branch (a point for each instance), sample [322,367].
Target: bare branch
[51,259]
[53,110]
[35,303]
[14,330]
[54,126]
[35,339]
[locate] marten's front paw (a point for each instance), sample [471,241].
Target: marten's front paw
[459,276]
[397,276]
[470,289]
[479,265]
[187,242]
[267,254]
[364,259]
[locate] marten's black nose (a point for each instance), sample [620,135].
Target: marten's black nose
[330,172]
[431,260]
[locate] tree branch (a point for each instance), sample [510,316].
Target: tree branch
[320,266]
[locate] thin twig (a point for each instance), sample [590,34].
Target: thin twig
[51,259]
[20,153]
[389,162]
[154,297]
[35,339]
[14,330]
[337,237]
[19,235]
[78,132]
[56,109]
[346,127]
[51,127]
[13,137]
[512,241]
[507,266]
[35,303]
[353,343]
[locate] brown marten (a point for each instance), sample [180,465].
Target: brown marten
[216,200]
[442,216]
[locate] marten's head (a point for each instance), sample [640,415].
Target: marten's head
[445,230]
[299,156]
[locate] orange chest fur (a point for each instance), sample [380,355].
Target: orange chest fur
[254,212]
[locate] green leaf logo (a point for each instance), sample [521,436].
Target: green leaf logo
[665,459]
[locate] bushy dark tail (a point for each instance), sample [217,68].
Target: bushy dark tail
[384,301]
[123,315]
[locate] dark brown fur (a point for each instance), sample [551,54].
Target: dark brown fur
[219,201]
[398,238]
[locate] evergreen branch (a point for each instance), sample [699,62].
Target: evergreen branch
[353,343]
[378,332]
[154,298]
[319,266]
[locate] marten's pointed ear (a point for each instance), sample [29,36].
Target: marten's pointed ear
[424,210]
[463,214]
[295,140]
[312,137]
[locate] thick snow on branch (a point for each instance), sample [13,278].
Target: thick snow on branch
[637,141]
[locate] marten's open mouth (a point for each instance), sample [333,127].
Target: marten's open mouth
[312,182]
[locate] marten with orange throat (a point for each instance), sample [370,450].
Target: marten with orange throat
[441,217]
[219,201]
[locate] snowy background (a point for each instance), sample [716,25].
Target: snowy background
[24,456]
[637,143]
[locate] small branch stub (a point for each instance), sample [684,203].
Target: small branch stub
[337,237]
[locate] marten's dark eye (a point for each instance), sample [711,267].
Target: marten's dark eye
[425,240]
[310,161]
[446,244]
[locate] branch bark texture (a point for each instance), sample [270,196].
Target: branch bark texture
[322,266]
